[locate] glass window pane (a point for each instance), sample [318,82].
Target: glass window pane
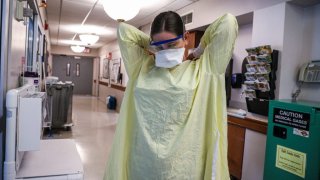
[68,69]
[78,69]
[30,44]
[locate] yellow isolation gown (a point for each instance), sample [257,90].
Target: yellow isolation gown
[173,122]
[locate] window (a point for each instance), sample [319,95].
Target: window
[30,44]
[68,69]
[78,69]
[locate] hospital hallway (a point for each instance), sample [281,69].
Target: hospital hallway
[93,131]
[208,89]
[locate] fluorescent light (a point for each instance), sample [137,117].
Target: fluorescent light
[89,38]
[77,48]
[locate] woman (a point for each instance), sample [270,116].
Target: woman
[172,123]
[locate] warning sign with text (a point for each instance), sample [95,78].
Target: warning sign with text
[291,160]
[291,118]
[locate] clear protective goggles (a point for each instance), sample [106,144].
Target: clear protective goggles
[166,44]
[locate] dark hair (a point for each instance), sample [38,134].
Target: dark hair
[167,21]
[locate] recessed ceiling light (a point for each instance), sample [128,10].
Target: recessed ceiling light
[72,42]
[77,48]
[121,10]
[99,30]
[89,38]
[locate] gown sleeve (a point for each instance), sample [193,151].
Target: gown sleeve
[218,42]
[132,43]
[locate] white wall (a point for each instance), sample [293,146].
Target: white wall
[311,46]
[311,30]
[253,156]
[206,11]
[146,28]
[105,91]
[112,47]
[292,53]
[243,41]
[268,28]
[294,31]
[17,39]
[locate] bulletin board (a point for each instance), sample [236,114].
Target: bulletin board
[114,67]
[106,70]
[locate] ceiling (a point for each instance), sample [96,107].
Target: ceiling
[66,16]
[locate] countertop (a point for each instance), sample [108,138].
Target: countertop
[251,121]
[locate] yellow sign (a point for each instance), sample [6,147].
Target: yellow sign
[291,160]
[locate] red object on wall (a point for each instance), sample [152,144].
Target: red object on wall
[43,3]
[109,56]
[86,50]
[46,25]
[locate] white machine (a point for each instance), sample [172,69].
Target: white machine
[26,155]
[34,81]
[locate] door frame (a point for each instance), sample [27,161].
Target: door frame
[5,44]
[96,76]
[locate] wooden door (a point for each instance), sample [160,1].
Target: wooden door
[236,138]
[193,40]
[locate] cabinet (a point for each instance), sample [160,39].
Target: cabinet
[31,116]
[236,137]
[237,142]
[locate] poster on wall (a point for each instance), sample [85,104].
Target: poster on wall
[106,72]
[114,67]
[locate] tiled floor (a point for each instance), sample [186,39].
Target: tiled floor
[93,131]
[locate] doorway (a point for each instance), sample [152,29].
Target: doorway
[79,70]
[3,48]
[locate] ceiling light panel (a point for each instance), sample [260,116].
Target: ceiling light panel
[77,49]
[77,28]
[89,39]
[71,42]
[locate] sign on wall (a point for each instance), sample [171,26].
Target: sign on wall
[111,70]
[105,71]
[114,67]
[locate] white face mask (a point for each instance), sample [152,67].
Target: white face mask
[169,58]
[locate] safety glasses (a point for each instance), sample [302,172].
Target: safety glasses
[166,44]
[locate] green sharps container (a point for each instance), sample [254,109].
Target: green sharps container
[293,141]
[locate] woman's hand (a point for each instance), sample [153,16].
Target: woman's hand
[191,57]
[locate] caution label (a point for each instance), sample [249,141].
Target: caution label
[291,160]
[291,118]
